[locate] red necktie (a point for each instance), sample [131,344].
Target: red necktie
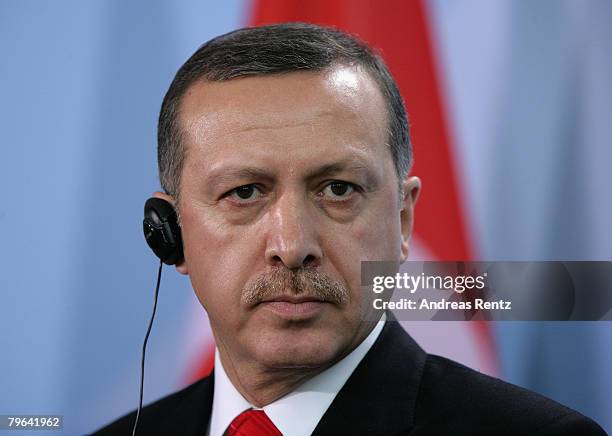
[252,423]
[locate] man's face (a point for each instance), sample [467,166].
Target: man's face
[288,174]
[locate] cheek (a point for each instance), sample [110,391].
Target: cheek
[217,262]
[374,237]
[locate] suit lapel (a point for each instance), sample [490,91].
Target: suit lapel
[380,396]
[192,414]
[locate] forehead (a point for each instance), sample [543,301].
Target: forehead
[285,113]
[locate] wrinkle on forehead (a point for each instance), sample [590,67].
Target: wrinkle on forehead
[270,122]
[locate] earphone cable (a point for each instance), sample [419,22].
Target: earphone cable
[144,347]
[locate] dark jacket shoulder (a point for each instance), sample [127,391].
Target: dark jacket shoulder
[184,412]
[399,389]
[456,399]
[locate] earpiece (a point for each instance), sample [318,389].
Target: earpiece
[163,234]
[162,231]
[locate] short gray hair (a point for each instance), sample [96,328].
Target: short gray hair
[274,49]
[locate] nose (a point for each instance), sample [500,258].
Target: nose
[292,235]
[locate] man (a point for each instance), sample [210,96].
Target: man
[285,151]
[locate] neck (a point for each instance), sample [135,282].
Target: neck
[261,385]
[261,388]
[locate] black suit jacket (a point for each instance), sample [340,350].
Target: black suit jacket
[397,389]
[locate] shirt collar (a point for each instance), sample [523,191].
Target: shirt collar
[298,412]
[228,403]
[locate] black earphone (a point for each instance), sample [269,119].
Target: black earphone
[163,234]
[162,231]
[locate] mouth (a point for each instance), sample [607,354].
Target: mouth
[294,307]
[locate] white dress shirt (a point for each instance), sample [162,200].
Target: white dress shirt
[298,412]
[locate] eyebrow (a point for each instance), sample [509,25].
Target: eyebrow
[242,172]
[231,174]
[335,168]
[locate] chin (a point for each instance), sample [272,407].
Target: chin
[294,349]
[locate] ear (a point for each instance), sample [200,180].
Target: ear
[411,187]
[181,267]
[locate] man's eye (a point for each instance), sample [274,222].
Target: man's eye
[338,190]
[246,192]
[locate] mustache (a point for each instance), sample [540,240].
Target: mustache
[304,282]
